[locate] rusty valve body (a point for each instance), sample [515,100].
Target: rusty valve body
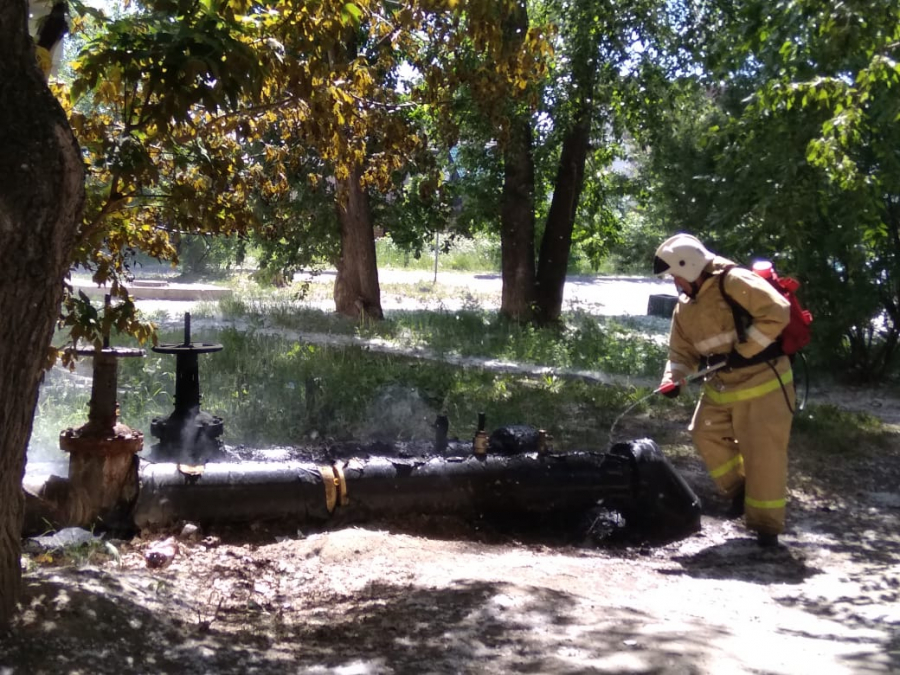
[103,472]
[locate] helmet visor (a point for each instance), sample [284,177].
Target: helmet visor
[660,266]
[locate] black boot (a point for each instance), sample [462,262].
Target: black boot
[736,510]
[766,540]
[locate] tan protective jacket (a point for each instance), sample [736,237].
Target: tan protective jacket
[704,326]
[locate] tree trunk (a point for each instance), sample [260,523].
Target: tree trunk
[517,210]
[41,195]
[553,261]
[517,224]
[356,290]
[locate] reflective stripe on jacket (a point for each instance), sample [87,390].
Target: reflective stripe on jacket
[704,326]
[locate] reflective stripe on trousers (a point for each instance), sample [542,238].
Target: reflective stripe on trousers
[742,437]
[751,392]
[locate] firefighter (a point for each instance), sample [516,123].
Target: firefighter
[743,420]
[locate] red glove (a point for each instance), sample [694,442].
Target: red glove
[669,389]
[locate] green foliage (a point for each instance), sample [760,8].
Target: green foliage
[202,58]
[94,551]
[478,254]
[633,249]
[218,117]
[66,407]
[205,256]
[147,101]
[591,89]
[232,117]
[784,152]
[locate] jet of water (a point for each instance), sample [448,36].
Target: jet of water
[690,378]
[625,412]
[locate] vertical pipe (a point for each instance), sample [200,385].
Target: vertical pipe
[441,425]
[104,389]
[187,329]
[436,249]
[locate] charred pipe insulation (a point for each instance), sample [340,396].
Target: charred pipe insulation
[633,478]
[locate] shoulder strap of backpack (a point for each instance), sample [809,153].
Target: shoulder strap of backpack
[737,312]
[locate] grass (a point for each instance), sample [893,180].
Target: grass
[464,255]
[90,550]
[479,254]
[584,342]
[829,430]
[620,345]
[437,294]
[272,391]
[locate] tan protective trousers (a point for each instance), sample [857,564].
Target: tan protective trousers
[745,442]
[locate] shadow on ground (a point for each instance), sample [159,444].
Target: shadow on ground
[470,627]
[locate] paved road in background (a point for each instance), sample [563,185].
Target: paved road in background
[597,295]
[416,289]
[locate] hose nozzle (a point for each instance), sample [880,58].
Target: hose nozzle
[669,386]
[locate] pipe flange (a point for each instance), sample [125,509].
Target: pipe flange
[335,487]
[480,444]
[341,484]
[191,472]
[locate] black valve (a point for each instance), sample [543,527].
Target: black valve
[188,435]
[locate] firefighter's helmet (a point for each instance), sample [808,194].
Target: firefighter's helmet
[682,255]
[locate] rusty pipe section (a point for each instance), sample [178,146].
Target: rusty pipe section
[633,478]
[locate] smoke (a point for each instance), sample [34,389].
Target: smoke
[62,404]
[398,413]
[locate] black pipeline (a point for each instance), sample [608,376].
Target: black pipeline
[633,478]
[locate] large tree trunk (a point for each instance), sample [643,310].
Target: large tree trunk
[41,195]
[356,290]
[557,242]
[517,224]
[517,209]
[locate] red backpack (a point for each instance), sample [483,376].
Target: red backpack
[797,334]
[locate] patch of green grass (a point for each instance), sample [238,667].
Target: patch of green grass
[269,390]
[274,391]
[825,429]
[92,552]
[627,345]
[437,294]
[584,342]
[479,254]
[66,407]
[282,308]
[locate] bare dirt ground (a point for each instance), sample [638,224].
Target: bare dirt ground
[441,595]
[435,595]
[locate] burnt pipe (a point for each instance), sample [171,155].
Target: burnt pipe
[633,479]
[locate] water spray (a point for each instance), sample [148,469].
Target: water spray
[664,389]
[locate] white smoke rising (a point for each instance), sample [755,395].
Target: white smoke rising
[398,413]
